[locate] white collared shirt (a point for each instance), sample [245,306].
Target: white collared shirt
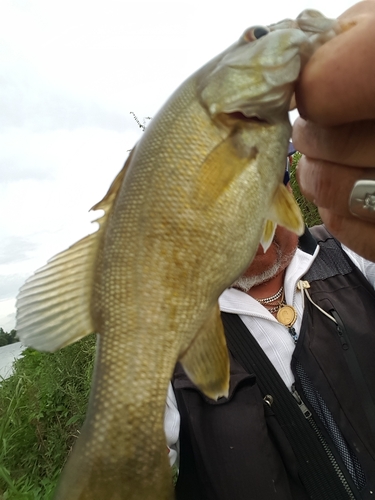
[273,337]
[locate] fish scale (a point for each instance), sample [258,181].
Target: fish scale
[182,220]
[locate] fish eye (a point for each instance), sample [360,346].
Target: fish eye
[255,33]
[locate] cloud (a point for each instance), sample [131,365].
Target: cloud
[30,102]
[15,249]
[56,154]
[10,284]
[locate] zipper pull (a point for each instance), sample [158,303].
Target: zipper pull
[306,412]
[302,285]
[340,330]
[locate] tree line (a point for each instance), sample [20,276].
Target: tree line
[8,338]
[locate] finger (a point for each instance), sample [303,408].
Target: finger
[336,86]
[356,234]
[352,144]
[329,185]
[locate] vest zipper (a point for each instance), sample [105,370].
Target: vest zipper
[362,389]
[340,330]
[308,415]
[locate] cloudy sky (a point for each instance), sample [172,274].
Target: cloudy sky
[70,75]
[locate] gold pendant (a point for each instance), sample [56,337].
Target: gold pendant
[286,315]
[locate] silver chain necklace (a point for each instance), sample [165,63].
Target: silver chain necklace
[268,300]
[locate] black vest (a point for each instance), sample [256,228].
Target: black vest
[235,448]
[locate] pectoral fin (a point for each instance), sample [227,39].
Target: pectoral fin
[206,361]
[285,211]
[220,168]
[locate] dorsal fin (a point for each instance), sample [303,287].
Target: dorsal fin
[53,306]
[107,202]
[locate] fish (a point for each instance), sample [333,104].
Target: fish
[182,220]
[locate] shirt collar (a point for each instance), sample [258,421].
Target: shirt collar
[238,302]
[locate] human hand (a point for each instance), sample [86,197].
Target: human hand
[336,98]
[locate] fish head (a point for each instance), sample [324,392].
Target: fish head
[256,76]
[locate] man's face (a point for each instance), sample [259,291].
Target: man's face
[266,266]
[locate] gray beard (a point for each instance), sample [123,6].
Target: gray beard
[244,283]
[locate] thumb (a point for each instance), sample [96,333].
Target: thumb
[337,84]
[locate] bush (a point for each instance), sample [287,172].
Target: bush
[8,338]
[309,211]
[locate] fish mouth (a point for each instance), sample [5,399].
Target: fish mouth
[236,116]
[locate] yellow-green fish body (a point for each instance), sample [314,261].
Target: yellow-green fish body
[183,219]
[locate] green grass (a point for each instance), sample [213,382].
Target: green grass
[42,407]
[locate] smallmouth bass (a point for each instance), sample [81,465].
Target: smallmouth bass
[182,220]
